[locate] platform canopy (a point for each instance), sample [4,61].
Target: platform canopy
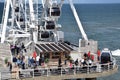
[54,47]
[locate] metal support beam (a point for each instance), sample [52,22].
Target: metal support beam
[78,20]
[4,26]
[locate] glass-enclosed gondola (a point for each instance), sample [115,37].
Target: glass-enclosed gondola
[50,25]
[54,12]
[17,9]
[45,34]
[21,19]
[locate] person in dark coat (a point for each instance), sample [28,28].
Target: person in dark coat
[23,47]
[76,62]
[10,66]
[40,61]
[23,65]
[14,60]
[59,61]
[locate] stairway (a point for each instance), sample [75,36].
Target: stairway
[5,74]
[5,52]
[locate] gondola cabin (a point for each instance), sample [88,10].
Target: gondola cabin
[106,56]
[17,9]
[45,34]
[20,20]
[54,12]
[50,25]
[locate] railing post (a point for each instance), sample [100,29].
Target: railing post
[0,76]
[88,69]
[61,71]
[18,75]
[33,73]
[108,66]
[75,70]
[47,72]
[100,68]
[11,75]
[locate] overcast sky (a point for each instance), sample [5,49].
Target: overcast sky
[95,1]
[91,1]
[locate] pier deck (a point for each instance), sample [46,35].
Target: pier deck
[61,73]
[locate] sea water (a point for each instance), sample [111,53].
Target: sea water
[101,22]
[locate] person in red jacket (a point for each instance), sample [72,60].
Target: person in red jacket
[98,53]
[89,54]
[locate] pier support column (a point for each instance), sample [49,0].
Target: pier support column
[90,78]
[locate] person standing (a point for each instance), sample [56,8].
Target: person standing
[59,61]
[10,66]
[37,60]
[40,61]
[76,62]
[98,53]
[89,54]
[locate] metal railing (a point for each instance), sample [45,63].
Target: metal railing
[56,71]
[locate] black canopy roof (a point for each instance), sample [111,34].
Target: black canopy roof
[54,47]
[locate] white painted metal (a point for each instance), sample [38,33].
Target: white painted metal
[43,2]
[18,24]
[78,21]
[32,16]
[13,13]
[26,29]
[4,26]
[19,35]
[35,36]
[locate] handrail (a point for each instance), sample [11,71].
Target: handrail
[59,71]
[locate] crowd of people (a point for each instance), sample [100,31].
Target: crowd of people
[18,58]
[87,60]
[21,61]
[17,49]
[35,60]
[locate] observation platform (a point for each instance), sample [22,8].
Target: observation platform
[61,73]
